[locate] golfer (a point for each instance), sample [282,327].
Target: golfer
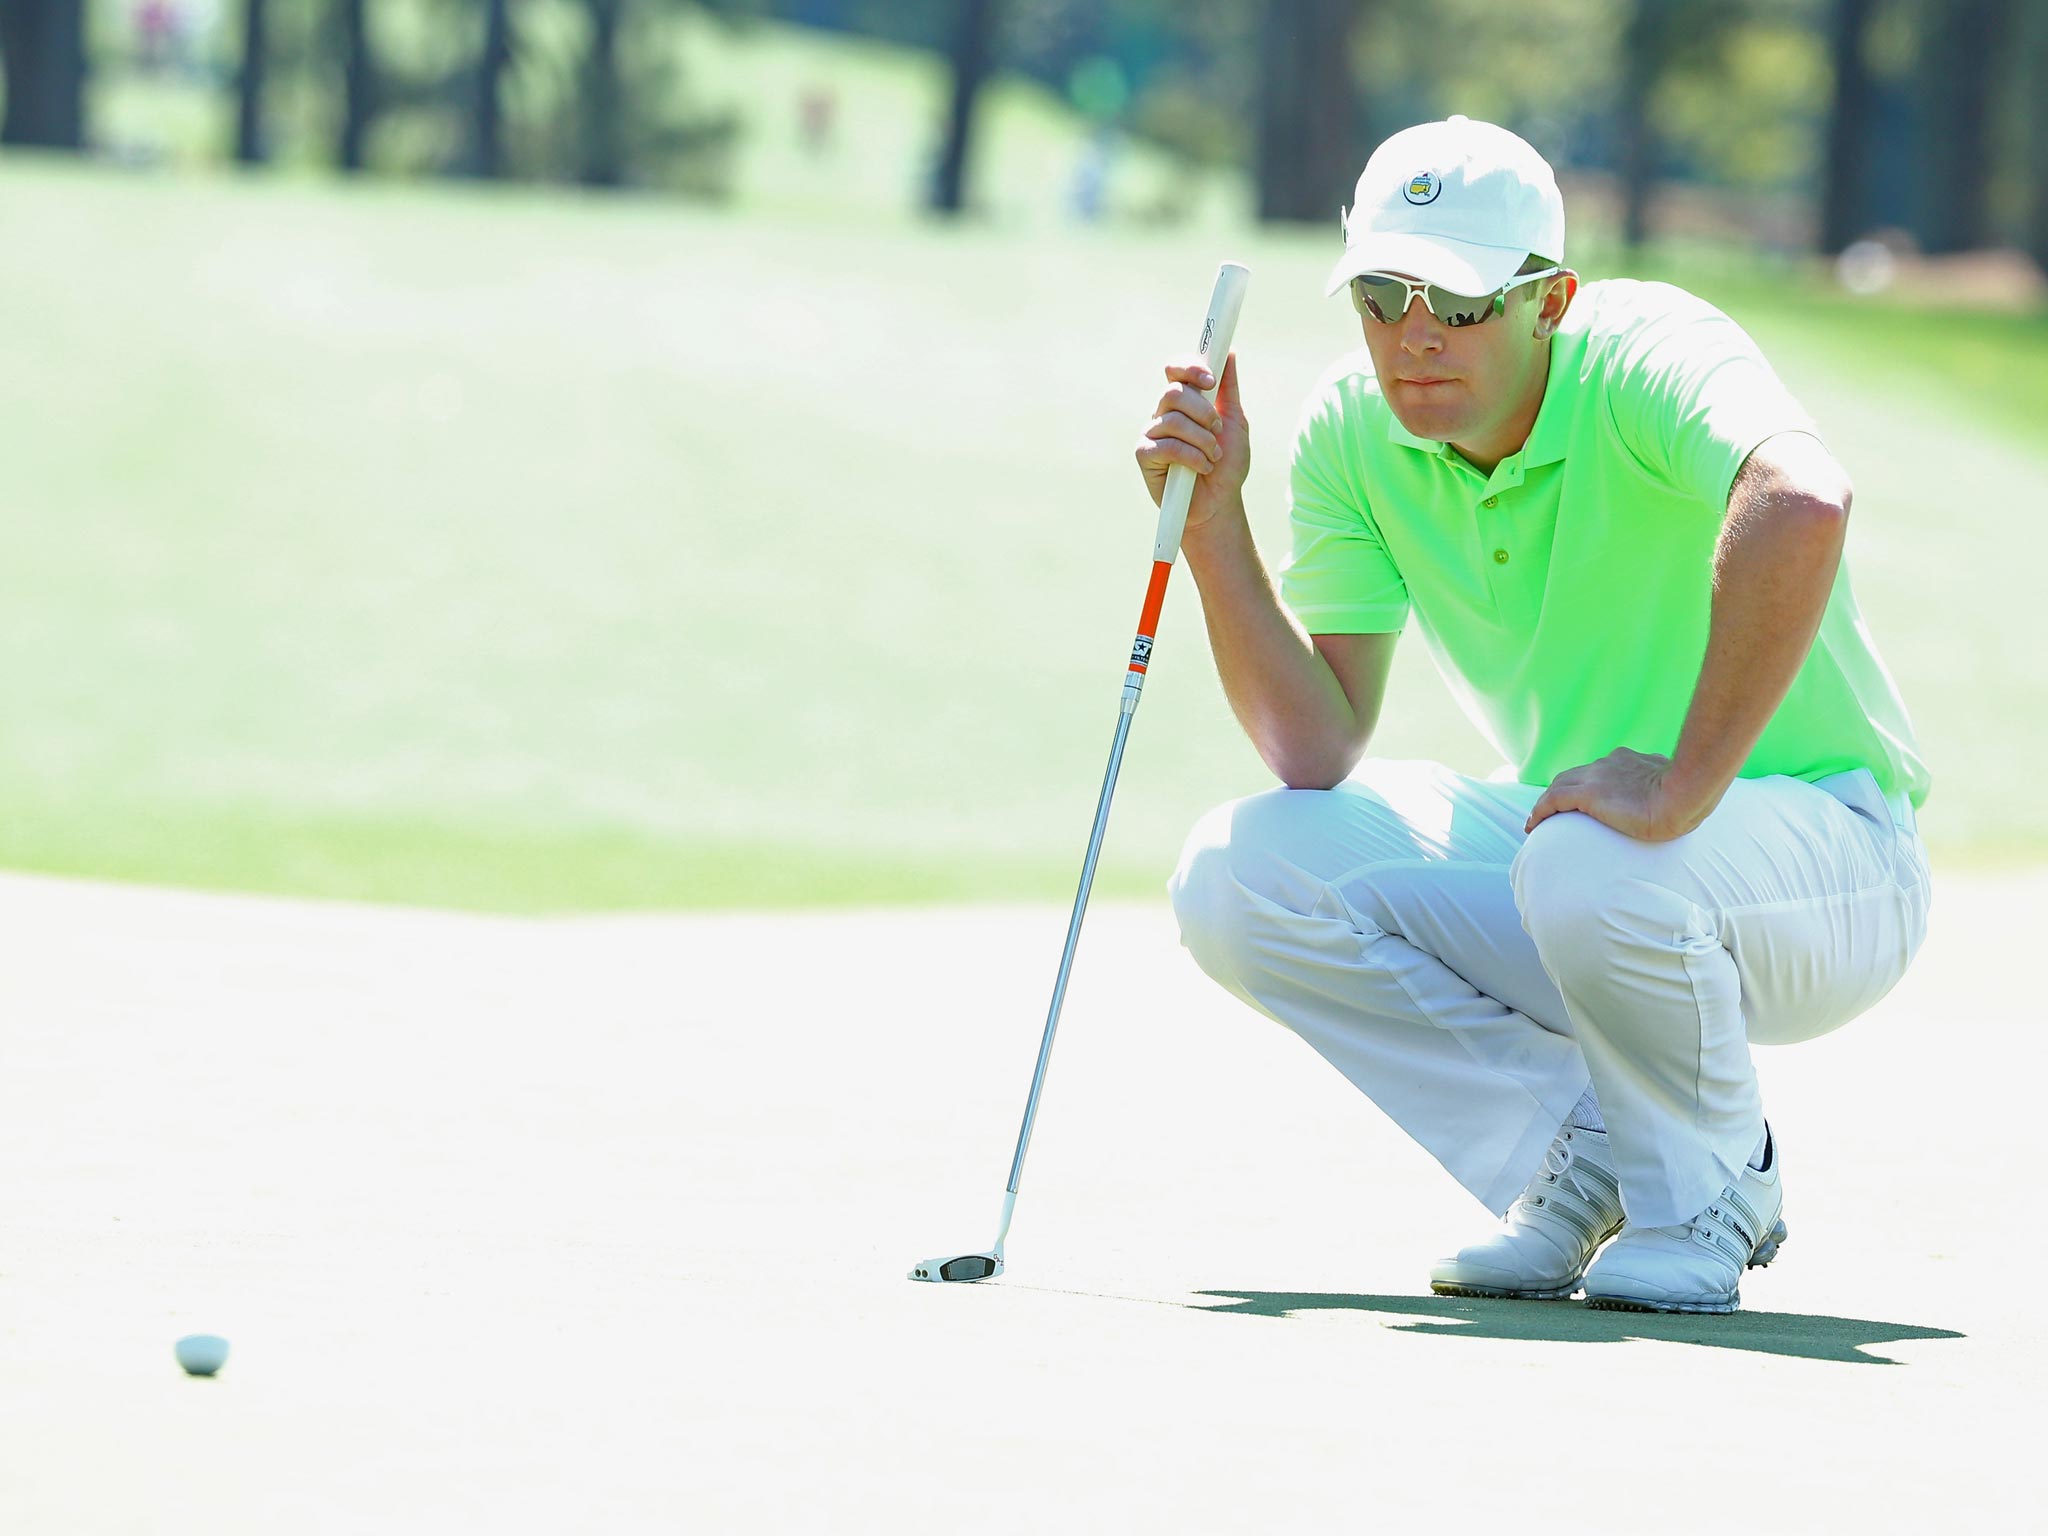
[1621,540]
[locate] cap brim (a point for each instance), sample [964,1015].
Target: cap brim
[1457,265]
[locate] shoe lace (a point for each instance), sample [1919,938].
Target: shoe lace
[1565,1173]
[1729,1225]
[1557,1160]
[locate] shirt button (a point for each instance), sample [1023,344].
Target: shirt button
[1500,557]
[1491,501]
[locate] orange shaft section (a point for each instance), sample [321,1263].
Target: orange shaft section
[1148,621]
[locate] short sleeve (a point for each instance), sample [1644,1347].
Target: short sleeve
[1691,395]
[1339,578]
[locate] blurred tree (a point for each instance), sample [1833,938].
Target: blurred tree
[603,111]
[1664,43]
[42,59]
[1890,48]
[250,145]
[692,150]
[973,37]
[1202,98]
[1961,43]
[2034,158]
[1548,69]
[358,82]
[1645,51]
[1307,148]
[487,133]
[1845,175]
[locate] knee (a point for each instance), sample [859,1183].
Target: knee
[1584,890]
[1235,874]
[1210,900]
[1552,863]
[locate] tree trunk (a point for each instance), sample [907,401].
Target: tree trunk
[973,44]
[1962,43]
[1308,151]
[1280,131]
[358,83]
[2034,68]
[603,153]
[250,148]
[1644,48]
[487,150]
[1845,183]
[42,52]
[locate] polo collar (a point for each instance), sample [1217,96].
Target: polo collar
[1396,433]
[1547,438]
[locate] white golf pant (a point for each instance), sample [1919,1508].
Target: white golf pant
[1472,979]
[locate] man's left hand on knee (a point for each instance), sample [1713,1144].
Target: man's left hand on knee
[1632,792]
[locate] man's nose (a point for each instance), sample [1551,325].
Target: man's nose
[1420,331]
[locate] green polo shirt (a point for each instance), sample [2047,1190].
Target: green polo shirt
[1566,597]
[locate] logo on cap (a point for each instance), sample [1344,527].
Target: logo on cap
[1423,188]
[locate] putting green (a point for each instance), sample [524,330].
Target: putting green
[602,1223]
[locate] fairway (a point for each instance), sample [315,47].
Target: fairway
[602,1224]
[522,552]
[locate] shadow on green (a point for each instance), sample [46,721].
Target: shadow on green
[1798,1335]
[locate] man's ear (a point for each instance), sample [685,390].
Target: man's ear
[1557,298]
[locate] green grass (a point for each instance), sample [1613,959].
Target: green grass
[1989,368]
[545,527]
[526,552]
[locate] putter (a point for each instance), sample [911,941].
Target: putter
[1217,328]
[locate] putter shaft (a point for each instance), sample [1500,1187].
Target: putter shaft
[1217,329]
[1125,713]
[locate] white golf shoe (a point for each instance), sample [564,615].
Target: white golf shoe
[1696,1267]
[1551,1232]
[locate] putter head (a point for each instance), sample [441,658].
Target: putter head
[968,1266]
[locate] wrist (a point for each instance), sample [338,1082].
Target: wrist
[1691,792]
[1222,518]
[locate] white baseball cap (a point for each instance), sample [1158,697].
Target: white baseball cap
[1456,203]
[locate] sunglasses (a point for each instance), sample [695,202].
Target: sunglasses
[1386,298]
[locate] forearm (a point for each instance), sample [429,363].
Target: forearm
[1774,568]
[1283,693]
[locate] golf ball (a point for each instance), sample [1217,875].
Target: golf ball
[202,1354]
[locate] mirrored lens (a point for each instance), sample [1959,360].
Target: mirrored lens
[1382,298]
[1458,308]
[1386,300]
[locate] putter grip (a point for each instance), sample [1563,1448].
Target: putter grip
[1217,329]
